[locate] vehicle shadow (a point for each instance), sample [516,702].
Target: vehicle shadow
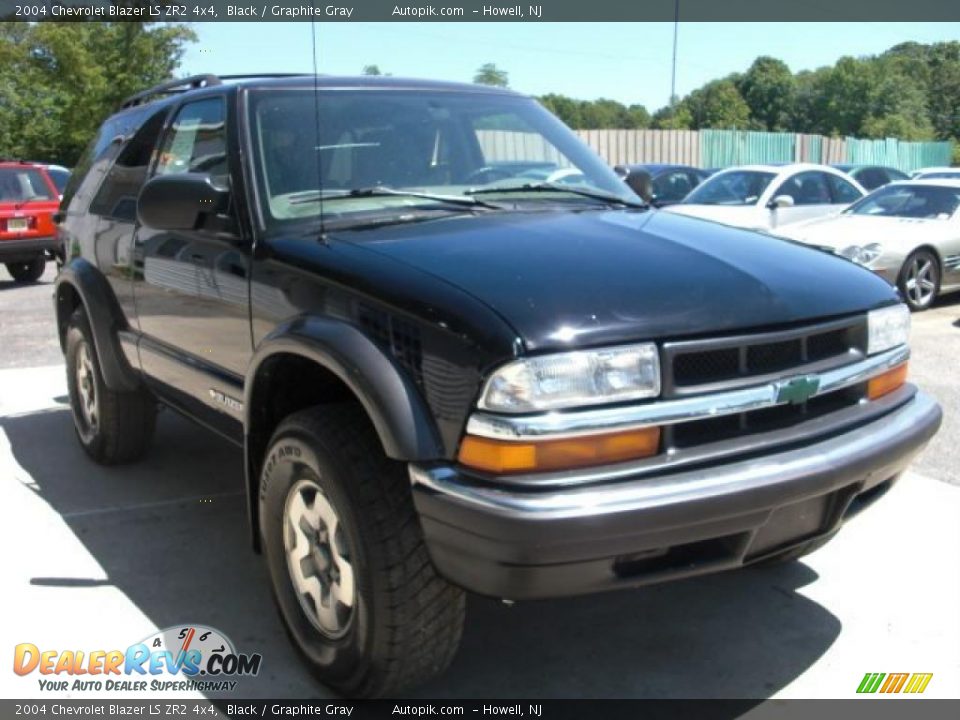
[171,534]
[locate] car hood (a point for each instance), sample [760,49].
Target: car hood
[590,278]
[738,215]
[841,231]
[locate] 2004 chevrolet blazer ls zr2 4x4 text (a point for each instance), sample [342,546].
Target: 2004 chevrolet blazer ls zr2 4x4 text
[460,355]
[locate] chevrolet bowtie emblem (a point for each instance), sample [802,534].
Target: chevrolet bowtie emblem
[797,390]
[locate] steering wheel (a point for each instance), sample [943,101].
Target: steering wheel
[486,174]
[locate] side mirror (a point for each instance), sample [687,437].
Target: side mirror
[780,201]
[639,181]
[185,201]
[621,171]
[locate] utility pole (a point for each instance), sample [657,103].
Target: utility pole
[673,75]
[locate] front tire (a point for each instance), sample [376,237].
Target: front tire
[919,280]
[350,571]
[28,271]
[113,427]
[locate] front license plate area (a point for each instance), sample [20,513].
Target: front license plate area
[17,224]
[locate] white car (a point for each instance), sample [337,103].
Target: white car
[936,173]
[765,197]
[907,232]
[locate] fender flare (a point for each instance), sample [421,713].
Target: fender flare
[389,396]
[105,317]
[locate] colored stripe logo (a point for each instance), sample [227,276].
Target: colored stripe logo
[913,683]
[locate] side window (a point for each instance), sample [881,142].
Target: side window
[117,196]
[808,188]
[197,141]
[872,178]
[672,186]
[843,192]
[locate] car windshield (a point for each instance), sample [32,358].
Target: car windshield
[343,149]
[739,187]
[60,178]
[909,201]
[940,175]
[23,185]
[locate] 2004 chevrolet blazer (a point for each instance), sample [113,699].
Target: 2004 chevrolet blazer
[459,355]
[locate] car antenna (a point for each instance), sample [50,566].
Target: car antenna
[316,114]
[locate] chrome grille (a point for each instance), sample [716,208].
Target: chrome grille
[718,364]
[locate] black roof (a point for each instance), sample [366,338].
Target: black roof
[653,168]
[196,82]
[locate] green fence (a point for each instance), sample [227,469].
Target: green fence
[905,156]
[722,148]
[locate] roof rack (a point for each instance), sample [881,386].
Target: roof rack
[253,76]
[169,88]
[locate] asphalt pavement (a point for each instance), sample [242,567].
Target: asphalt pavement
[98,558]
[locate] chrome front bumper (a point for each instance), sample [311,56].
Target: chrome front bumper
[515,542]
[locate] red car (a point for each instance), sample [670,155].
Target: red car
[28,200]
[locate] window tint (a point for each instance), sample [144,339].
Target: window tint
[672,186]
[23,185]
[872,178]
[910,201]
[117,196]
[737,187]
[808,188]
[197,141]
[98,155]
[844,192]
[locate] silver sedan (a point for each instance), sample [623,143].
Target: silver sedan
[907,232]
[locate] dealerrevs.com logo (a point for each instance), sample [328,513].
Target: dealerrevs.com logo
[184,657]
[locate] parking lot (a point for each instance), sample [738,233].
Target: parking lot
[98,558]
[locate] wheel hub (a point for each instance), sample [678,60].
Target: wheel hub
[86,387]
[921,281]
[318,558]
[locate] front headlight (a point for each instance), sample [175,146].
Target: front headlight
[574,379]
[887,328]
[862,255]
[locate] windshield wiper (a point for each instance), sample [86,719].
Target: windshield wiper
[381,191]
[551,187]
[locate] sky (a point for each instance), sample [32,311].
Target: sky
[628,62]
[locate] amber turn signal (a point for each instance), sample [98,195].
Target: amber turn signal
[499,456]
[888,382]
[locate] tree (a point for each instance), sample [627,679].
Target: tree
[371,70]
[58,81]
[717,104]
[769,89]
[490,74]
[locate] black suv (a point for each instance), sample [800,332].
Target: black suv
[459,355]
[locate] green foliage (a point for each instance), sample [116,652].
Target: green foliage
[371,70]
[490,74]
[769,89]
[719,105]
[58,81]
[596,114]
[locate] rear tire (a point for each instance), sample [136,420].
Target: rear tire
[351,576]
[113,427]
[919,280]
[28,271]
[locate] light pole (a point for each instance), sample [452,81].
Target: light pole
[673,75]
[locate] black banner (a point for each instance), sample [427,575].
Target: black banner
[480,11]
[874,709]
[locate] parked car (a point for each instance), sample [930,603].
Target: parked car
[28,199]
[936,173]
[668,184]
[871,177]
[763,197]
[906,232]
[60,176]
[444,383]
